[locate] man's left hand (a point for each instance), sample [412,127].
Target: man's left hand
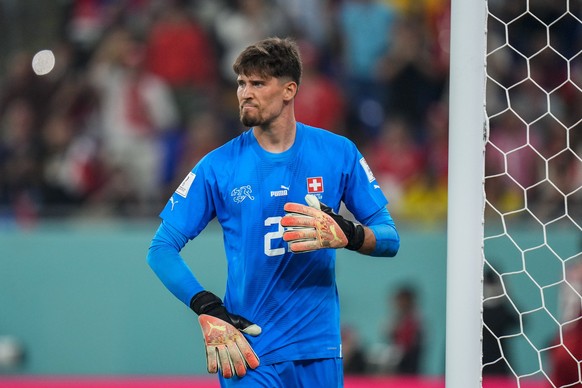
[227,349]
[308,228]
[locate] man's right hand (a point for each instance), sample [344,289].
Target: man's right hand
[226,348]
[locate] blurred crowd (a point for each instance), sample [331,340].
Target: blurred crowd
[142,89]
[401,348]
[534,94]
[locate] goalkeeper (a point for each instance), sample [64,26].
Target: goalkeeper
[276,190]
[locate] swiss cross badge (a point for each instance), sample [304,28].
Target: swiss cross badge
[315,185]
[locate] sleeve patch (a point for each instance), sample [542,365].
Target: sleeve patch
[184,187]
[367,170]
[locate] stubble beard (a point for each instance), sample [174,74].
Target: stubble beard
[250,121]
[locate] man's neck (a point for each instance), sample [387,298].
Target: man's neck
[276,138]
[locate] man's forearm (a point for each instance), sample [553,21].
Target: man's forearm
[165,260]
[380,235]
[380,240]
[369,244]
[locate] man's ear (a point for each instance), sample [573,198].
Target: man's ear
[290,91]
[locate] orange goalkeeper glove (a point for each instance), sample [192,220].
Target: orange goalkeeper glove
[227,349]
[308,228]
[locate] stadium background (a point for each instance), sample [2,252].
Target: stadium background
[75,290]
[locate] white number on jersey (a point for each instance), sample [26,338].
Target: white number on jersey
[269,251]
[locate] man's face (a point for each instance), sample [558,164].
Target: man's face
[260,99]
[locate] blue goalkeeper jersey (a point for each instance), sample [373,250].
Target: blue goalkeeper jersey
[293,297]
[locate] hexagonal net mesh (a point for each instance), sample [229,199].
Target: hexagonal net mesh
[533,192]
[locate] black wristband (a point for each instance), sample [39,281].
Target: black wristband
[354,232]
[204,301]
[357,239]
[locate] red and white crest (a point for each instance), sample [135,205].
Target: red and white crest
[315,185]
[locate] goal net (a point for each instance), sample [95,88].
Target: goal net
[532,243]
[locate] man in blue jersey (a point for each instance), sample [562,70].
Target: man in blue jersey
[276,190]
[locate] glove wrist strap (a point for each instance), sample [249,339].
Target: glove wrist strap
[356,240]
[204,301]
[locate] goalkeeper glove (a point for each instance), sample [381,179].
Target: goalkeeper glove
[227,349]
[308,228]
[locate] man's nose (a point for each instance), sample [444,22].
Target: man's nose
[245,93]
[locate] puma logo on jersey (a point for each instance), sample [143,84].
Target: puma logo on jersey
[173,202]
[280,193]
[242,193]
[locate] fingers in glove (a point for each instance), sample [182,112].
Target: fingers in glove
[325,232]
[211,359]
[249,355]
[299,209]
[292,220]
[333,231]
[225,361]
[237,360]
[299,217]
[304,246]
[300,234]
[227,349]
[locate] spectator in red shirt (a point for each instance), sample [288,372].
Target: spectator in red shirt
[181,53]
[402,349]
[406,332]
[320,102]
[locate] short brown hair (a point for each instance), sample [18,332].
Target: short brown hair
[272,57]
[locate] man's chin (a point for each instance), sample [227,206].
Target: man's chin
[247,122]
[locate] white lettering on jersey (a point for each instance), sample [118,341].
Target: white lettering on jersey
[279,193]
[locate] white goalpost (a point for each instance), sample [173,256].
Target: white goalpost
[515,193]
[465,194]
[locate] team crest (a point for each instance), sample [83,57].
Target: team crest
[240,194]
[315,185]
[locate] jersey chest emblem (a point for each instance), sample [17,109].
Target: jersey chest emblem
[315,185]
[242,193]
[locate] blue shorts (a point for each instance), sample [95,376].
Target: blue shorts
[325,372]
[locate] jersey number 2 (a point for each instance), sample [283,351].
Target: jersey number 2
[269,251]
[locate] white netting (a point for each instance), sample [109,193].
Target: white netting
[533,188]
